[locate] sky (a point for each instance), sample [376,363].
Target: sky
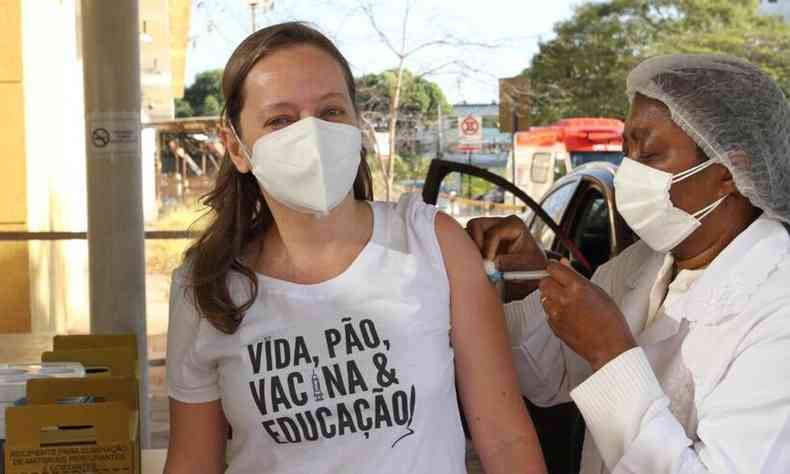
[504,34]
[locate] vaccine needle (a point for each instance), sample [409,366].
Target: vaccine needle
[495,275]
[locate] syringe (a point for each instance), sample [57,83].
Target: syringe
[495,275]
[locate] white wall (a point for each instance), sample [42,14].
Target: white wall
[156,81]
[778,8]
[56,177]
[156,76]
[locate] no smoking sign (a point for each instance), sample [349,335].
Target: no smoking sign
[114,134]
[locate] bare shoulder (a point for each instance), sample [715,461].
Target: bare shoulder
[457,247]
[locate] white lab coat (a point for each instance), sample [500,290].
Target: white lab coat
[732,333]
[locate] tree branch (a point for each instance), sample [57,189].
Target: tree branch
[367,9]
[371,131]
[434,70]
[405,25]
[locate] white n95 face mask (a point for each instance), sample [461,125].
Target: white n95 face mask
[642,197]
[309,166]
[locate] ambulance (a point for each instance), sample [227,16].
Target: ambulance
[542,155]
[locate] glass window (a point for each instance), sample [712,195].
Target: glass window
[579,158]
[560,169]
[541,166]
[592,231]
[491,121]
[554,204]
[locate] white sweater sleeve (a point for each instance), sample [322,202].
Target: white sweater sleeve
[547,368]
[542,360]
[744,423]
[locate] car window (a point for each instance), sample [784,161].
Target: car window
[541,166]
[554,204]
[465,196]
[527,217]
[591,231]
[560,169]
[579,158]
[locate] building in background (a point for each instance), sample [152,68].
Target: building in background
[44,284]
[14,256]
[164,36]
[514,104]
[494,140]
[775,8]
[164,29]
[441,138]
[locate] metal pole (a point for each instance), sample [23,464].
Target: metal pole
[440,153]
[252,12]
[513,150]
[111,65]
[469,177]
[184,168]
[158,167]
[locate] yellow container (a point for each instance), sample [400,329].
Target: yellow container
[95,437]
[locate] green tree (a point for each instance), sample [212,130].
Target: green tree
[183,108]
[582,70]
[419,96]
[420,103]
[734,29]
[203,97]
[411,167]
[211,106]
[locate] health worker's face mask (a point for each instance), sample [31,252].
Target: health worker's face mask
[642,196]
[309,166]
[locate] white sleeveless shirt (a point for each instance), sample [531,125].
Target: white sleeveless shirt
[352,375]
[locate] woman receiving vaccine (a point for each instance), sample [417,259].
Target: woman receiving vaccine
[323,329]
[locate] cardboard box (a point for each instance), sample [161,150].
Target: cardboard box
[120,362]
[102,440]
[95,341]
[45,437]
[14,378]
[104,389]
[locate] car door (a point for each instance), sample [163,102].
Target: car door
[555,204]
[590,219]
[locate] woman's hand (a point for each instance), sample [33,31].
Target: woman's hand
[584,316]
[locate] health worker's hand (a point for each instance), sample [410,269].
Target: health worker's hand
[508,243]
[584,316]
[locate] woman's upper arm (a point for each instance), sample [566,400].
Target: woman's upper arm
[487,381]
[197,423]
[192,375]
[198,432]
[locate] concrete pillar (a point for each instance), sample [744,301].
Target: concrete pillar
[111,62]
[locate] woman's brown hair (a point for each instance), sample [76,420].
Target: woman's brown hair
[237,210]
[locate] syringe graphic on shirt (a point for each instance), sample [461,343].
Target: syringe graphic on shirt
[318,395]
